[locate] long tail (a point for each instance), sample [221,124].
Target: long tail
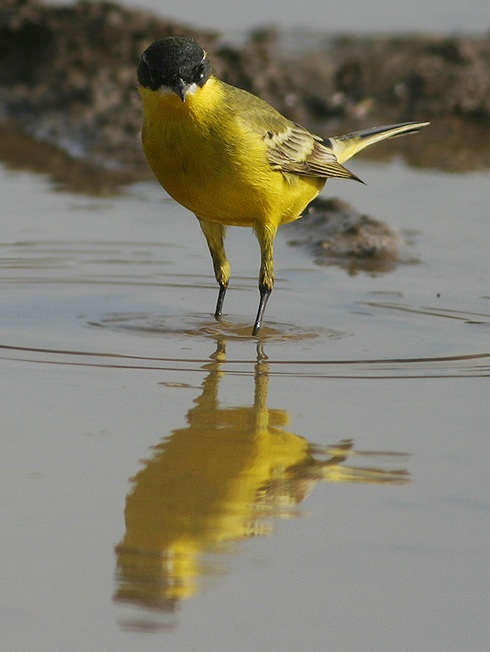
[344,147]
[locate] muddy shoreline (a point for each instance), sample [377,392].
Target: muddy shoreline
[67,77]
[69,107]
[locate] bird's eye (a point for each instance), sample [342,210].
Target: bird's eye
[200,71]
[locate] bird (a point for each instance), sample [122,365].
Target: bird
[231,158]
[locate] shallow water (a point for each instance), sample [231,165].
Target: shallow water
[156,463]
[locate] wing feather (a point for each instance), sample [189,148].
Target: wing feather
[296,151]
[290,148]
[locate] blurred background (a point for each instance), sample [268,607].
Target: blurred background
[347,16]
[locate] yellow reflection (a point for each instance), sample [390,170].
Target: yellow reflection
[222,479]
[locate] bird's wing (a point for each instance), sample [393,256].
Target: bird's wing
[295,150]
[290,148]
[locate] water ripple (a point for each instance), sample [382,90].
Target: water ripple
[470,365]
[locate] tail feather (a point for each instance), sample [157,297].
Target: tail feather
[345,147]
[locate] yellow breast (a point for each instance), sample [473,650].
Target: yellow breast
[212,163]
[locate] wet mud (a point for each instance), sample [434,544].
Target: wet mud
[69,107]
[335,233]
[67,76]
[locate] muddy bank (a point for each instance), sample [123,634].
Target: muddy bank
[336,234]
[69,107]
[67,76]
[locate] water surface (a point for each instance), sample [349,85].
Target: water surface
[172,482]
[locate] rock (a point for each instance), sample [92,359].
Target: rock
[335,233]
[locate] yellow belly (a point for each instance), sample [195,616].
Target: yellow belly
[219,173]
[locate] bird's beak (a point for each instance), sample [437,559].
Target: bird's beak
[181,89]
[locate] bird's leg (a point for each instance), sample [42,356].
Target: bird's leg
[265,236]
[221,299]
[264,298]
[215,237]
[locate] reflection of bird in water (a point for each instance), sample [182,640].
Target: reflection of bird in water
[216,482]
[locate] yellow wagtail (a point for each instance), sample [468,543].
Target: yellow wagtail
[232,159]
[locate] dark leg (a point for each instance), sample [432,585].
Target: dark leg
[265,236]
[215,237]
[264,298]
[221,298]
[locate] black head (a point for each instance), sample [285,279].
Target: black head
[176,62]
